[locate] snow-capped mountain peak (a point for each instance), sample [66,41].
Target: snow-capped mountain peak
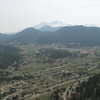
[57,24]
[52,24]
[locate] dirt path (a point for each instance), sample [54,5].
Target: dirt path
[44,91]
[2,88]
[64,96]
[12,95]
[55,86]
[65,93]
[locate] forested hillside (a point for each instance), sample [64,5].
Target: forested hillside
[9,56]
[87,90]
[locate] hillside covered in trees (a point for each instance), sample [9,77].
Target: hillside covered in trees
[9,56]
[87,90]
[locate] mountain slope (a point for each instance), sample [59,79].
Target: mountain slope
[74,34]
[3,37]
[28,35]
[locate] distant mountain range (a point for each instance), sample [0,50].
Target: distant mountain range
[68,34]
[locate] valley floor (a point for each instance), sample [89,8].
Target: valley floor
[46,71]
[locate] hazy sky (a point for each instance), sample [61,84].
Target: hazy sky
[18,14]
